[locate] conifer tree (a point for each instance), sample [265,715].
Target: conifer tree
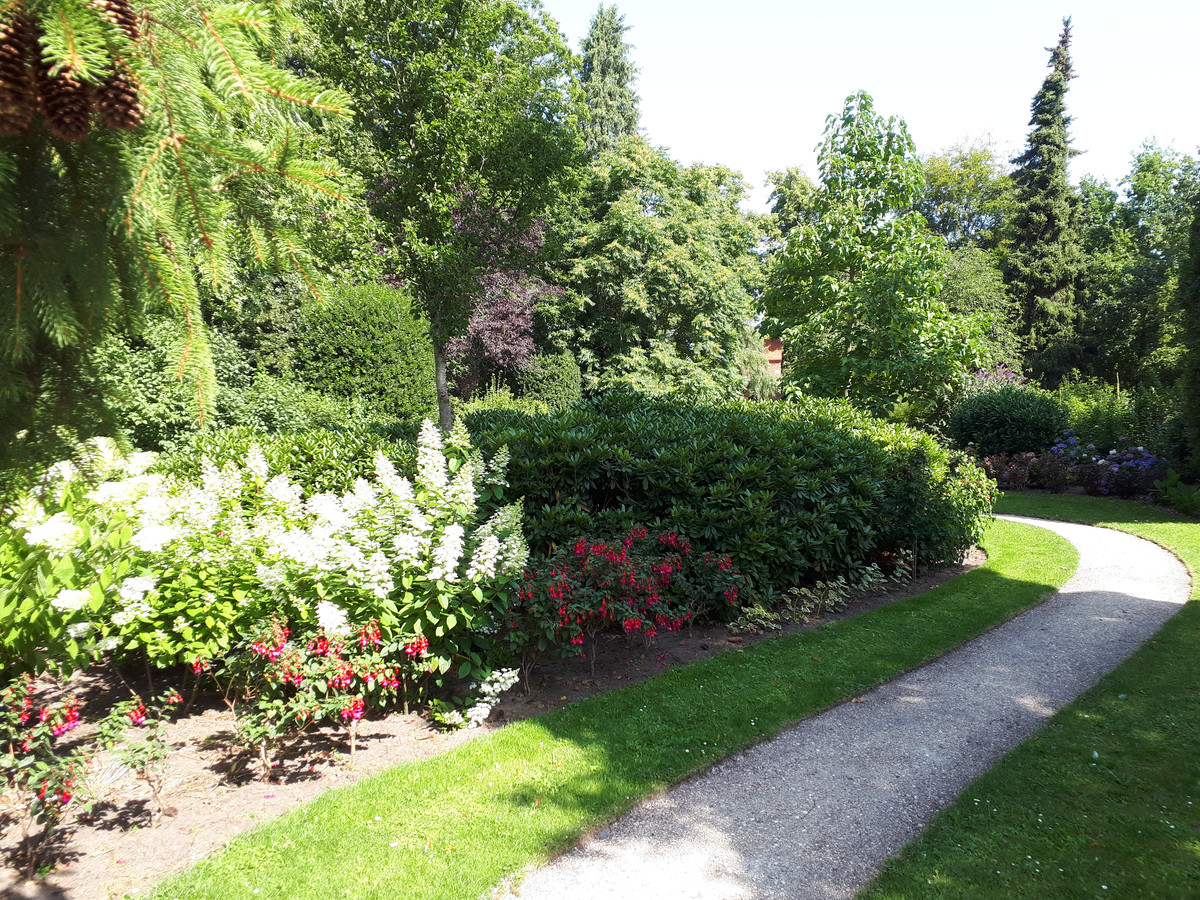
[1189,302]
[1043,267]
[141,149]
[607,79]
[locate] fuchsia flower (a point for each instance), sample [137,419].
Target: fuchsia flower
[417,648]
[354,709]
[137,715]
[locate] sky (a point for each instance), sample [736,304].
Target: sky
[749,83]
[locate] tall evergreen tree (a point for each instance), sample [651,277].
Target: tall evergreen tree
[142,150]
[1044,263]
[1189,302]
[607,78]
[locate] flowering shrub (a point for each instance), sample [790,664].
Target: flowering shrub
[984,380]
[147,754]
[279,686]
[638,585]
[1122,473]
[181,569]
[1011,470]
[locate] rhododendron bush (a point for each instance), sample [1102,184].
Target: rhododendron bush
[182,569]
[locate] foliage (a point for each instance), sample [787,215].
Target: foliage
[1008,420]
[1043,264]
[180,569]
[793,199]
[553,379]
[1134,242]
[659,265]
[461,106]
[1107,417]
[797,604]
[993,379]
[974,288]
[792,491]
[855,294]
[636,584]
[761,382]
[1175,492]
[968,195]
[146,755]
[363,342]
[1012,471]
[148,403]
[607,75]
[140,154]
[1189,302]
[278,686]
[315,461]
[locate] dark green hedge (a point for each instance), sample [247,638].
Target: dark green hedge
[365,342]
[1008,420]
[793,491]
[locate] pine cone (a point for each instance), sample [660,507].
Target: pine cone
[66,102]
[18,101]
[117,100]
[120,12]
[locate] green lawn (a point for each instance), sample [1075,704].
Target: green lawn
[453,826]
[1105,800]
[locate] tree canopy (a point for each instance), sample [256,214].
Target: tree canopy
[1044,262]
[855,292]
[607,75]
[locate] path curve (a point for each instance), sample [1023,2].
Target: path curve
[815,812]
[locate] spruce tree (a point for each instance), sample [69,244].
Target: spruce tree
[1043,266]
[143,148]
[607,79]
[1189,302]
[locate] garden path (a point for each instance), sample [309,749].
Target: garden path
[816,811]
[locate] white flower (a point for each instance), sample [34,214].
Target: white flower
[80,630]
[58,533]
[139,462]
[286,494]
[109,644]
[431,462]
[71,600]
[462,487]
[409,547]
[137,609]
[329,508]
[332,618]
[359,499]
[270,577]
[256,464]
[152,538]
[123,493]
[398,485]
[27,513]
[446,556]
[133,589]
[483,561]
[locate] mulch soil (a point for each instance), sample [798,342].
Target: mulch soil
[212,791]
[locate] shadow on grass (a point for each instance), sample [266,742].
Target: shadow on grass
[455,825]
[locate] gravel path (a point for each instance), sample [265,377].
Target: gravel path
[815,812]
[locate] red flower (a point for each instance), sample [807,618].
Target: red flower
[137,715]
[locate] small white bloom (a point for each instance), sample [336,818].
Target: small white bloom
[70,600]
[256,463]
[152,538]
[332,618]
[431,462]
[133,589]
[57,533]
[483,561]
[408,547]
[27,513]
[447,554]
[79,630]
[286,494]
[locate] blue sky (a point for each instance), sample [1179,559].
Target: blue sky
[748,83]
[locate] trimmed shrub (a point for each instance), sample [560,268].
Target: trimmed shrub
[553,379]
[794,492]
[1008,420]
[157,410]
[364,342]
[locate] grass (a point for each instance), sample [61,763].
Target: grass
[1105,800]
[455,825]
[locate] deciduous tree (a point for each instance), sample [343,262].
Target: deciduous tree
[855,293]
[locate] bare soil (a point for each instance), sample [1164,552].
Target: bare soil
[212,792]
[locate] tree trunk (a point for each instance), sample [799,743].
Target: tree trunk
[445,411]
